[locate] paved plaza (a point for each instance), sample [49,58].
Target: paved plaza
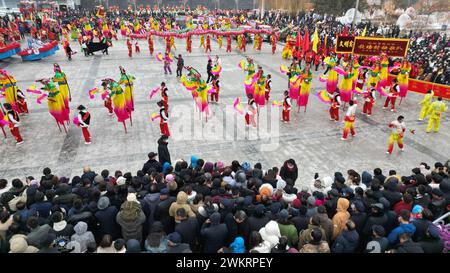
[311,138]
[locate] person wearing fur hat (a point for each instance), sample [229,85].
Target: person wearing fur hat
[84,120]
[18,244]
[130,218]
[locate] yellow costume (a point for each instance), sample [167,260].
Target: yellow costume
[425,103]
[436,110]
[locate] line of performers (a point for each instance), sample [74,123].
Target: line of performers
[350,88]
[205,43]
[56,92]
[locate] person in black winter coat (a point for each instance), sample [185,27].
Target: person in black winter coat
[358,216]
[301,221]
[237,225]
[376,217]
[378,174]
[213,234]
[289,170]
[392,217]
[163,151]
[391,192]
[421,223]
[187,228]
[106,219]
[379,243]
[152,163]
[347,241]
[432,242]
[88,174]
[65,196]
[162,210]
[406,245]
[259,218]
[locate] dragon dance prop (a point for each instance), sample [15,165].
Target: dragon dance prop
[181,34]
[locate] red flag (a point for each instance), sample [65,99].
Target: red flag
[298,41]
[306,43]
[344,33]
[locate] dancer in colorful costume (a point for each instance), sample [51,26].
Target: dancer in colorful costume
[384,61]
[374,76]
[163,119]
[55,103]
[228,43]
[9,87]
[335,105]
[286,107]
[350,118]
[397,133]
[392,96]
[13,120]
[118,99]
[61,78]
[259,94]
[403,77]
[426,103]
[287,50]
[84,120]
[127,80]
[332,80]
[306,76]
[345,88]
[436,109]
[369,101]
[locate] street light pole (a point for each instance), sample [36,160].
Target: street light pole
[354,14]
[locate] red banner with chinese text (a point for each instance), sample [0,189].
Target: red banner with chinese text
[422,87]
[370,46]
[344,44]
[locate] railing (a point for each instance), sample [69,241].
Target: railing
[441,220]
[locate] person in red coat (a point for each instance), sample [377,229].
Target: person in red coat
[208,44]
[14,122]
[228,43]
[130,48]
[163,119]
[286,107]
[405,204]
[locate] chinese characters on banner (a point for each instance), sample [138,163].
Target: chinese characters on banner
[344,44]
[375,46]
[370,46]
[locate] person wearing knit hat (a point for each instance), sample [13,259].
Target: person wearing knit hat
[296,203]
[18,244]
[98,179]
[103,203]
[131,197]
[208,167]
[121,181]
[220,166]
[170,178]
